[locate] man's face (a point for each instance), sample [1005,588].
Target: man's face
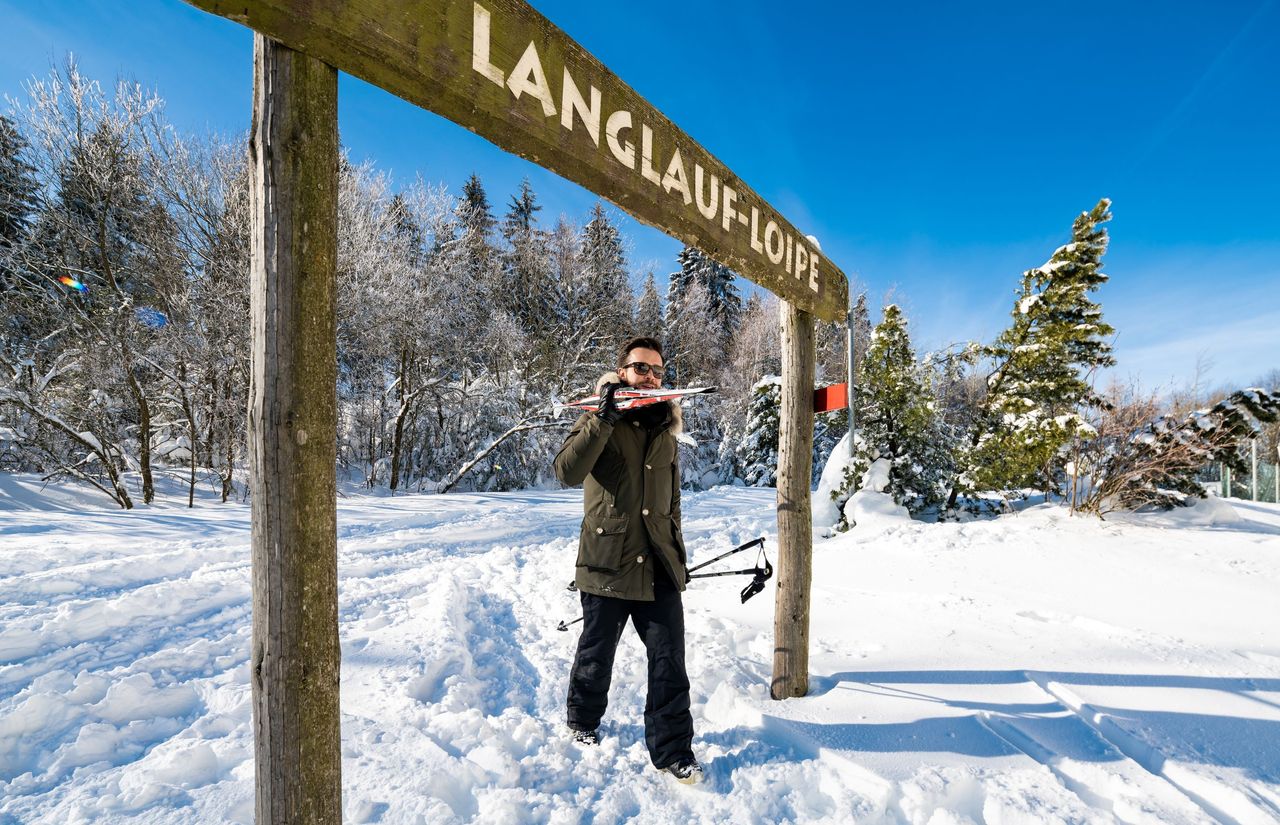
[636,361]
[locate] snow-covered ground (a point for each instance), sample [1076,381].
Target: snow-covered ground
[1032,668]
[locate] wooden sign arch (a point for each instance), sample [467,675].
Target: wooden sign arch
[504,71]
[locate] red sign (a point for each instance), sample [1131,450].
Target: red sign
[834,397]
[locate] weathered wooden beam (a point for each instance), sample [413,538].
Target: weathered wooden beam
[505,72]
[293,436]
[795,525]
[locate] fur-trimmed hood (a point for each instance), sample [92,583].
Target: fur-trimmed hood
[677,415]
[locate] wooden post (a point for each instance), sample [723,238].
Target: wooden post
[293,145]
[795,518]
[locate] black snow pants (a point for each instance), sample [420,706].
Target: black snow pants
[668,725]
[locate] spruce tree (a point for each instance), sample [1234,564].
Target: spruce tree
[476,222]
[756,453]
[604,266]
[719,282]
[704,311]
[18,202]
[649,309]
[521,218]
[18,189]
[526,281]
[898,421]
[1042,364]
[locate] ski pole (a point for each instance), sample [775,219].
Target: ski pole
[738,549]
[760,575]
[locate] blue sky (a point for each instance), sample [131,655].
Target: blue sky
[935,149]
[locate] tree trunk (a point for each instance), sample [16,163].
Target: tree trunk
[215,416]
[189,412]
[795,518]
[144,431]
[230,439]
[292,437]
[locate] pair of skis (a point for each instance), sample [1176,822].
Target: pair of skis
[627,398]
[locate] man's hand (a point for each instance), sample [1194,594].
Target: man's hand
[608,408]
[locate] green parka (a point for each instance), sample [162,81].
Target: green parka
[631,503]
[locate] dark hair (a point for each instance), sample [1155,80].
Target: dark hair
[643,342]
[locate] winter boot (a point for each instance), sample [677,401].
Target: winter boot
[687,771]
[585,737]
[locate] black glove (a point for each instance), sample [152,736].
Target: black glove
[608,408]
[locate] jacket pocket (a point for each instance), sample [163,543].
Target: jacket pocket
[601,542]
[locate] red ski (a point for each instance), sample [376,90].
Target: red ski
[627,399]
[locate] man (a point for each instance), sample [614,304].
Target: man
[631,557]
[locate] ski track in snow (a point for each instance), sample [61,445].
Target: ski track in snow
[1034,668]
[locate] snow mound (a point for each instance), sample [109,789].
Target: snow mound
[1205,512]
[876,479]
[825,511]
[871,506]
[867,508]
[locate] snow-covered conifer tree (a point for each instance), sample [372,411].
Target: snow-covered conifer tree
[750,449]
[898,420]
[756,452]
[604,265]
[478,254]
[648,320]
[526,274]
[18,190]
[101,246]
[719,281]
[1042,365]
[578,330]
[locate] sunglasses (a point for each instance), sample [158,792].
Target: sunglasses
[642,368]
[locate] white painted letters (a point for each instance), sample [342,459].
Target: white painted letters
[623,150]
[729,214]
[571,101]
[769,238]
[772,232]
[528,78]
[646,155]
[676,178]
[480,44]
[708,210]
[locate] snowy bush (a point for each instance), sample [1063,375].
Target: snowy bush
[1156,463]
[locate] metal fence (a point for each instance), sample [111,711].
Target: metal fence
[1260,484]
